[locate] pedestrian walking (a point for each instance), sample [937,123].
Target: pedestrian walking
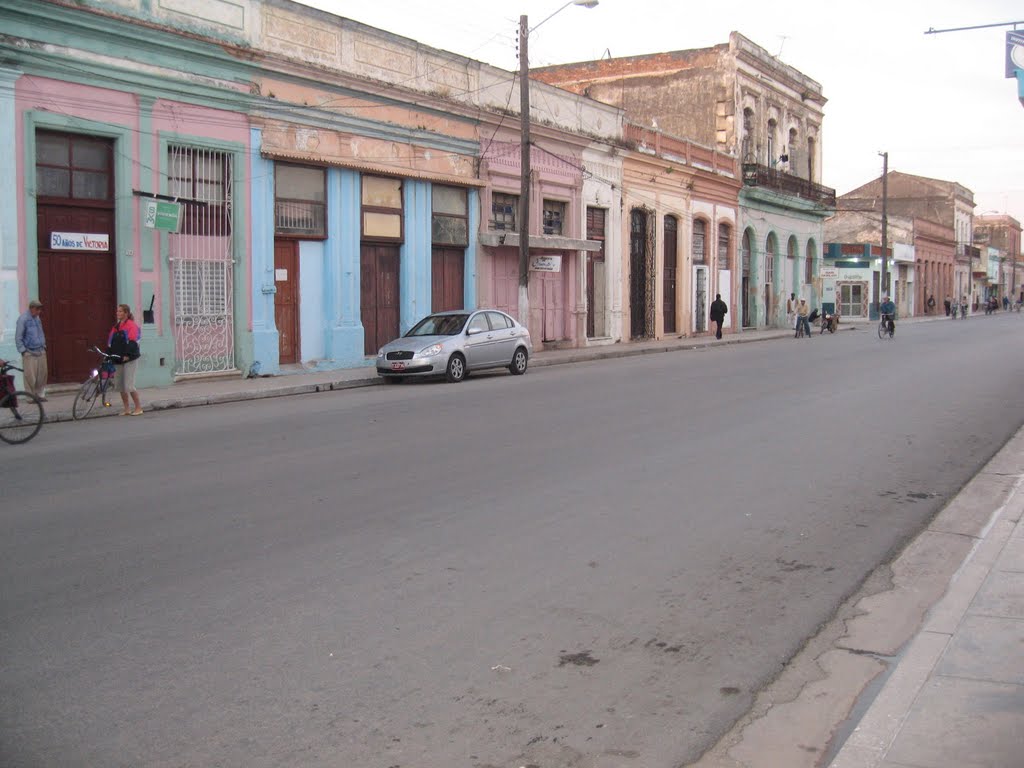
[791,306]
[949,304]
[1006,302]
[931,304]
[718,312]
[123,341]
[802,313]
[31,343]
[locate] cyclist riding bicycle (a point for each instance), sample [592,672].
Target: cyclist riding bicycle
[888,312]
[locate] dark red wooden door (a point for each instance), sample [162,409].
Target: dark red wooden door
[379,295]
[286,300]
[447,272]
[78,290]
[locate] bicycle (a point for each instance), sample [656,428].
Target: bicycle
[886,327]
[97,386]
[21,413]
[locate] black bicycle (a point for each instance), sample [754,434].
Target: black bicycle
[96,387]
[21,413]
[886,327]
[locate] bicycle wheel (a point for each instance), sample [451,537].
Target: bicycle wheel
[21,416]
[85,399]
[882,330]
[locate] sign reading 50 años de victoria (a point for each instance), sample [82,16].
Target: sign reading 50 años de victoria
[76,241]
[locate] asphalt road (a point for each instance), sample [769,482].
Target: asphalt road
[593,565]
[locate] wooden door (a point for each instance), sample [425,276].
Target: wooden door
[552,306]
[447,275]
[379,295]
[78,290]
[286,300]
[668,303]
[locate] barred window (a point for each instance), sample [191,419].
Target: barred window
[201,287]
[504,209]
[203,178]
[554,214]
[300,201]
[724,245]
[700,228]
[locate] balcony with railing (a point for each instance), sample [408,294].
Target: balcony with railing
[756,175]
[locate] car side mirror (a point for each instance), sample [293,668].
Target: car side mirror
[473,331]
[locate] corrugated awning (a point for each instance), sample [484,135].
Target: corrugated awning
[374,168]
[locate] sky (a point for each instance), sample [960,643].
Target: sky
[939,104]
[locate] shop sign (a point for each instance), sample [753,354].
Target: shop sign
[76,241]
[158,214]
[551,263]
[828,273]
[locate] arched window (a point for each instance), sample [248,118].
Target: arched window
[700,231]
[809,262]
[724,245]
[772,128]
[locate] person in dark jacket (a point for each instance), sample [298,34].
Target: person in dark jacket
[718,312]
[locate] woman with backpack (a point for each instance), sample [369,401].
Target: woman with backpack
[123,341]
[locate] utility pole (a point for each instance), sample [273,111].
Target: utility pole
[885,226]
[524,170]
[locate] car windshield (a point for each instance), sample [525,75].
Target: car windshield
[439,325]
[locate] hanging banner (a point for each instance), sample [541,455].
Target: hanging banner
[158,214]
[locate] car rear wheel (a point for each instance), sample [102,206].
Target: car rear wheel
[519,361]
[456,370]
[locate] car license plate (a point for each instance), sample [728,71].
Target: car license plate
[397,366]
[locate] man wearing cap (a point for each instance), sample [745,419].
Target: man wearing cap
[31,343]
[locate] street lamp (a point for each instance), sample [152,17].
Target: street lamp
[524,183]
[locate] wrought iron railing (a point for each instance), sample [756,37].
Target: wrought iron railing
[755,175]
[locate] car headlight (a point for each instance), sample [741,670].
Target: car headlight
[433,349]
[380,353]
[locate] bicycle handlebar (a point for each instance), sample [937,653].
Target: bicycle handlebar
[105,355]
[6,365]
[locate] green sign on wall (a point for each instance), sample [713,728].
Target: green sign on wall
[157,214]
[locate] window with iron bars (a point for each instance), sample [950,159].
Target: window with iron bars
[201,287]
[724,245]
[504,209]
[202,177]
[554,214]
[300,201]
[699,236]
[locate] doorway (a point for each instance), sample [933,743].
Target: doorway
[77,275]
[700,299]
[447,270]
[379,295]
[286,300]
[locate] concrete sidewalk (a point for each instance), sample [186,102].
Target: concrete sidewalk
[215,390]
[955,698]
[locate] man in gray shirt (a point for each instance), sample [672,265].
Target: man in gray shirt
[31,343]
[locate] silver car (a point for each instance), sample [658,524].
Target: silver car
[454,343]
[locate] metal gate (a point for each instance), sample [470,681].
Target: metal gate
[202,263]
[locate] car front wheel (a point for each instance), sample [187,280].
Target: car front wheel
[456,370]
[519,361]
